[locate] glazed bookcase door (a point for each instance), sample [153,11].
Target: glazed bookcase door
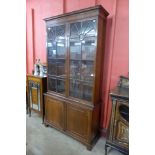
[82,51]
[56,51]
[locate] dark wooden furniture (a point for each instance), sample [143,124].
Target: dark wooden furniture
[36,87]
[75,50]
[118,136]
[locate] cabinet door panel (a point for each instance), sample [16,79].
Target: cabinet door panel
[34,95]
[54,112]
[121,133]
[78,121]
[121,125]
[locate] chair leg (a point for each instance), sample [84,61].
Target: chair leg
[106,149]
[27,109]
[29,112]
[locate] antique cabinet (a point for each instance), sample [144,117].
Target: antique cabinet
[118,136]
[37,85]
[75,51]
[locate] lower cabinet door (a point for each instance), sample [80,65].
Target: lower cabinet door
[78,121]
[54,112]
[121,134]
[121,129]
[34,93]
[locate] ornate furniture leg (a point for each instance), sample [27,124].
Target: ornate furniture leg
[106,149]
[43,112]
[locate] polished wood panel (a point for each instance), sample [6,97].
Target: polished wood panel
[122,134]
[54,112]
[95,122]
[34,96]
[78,121]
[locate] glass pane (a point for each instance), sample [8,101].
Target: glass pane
[75,69]
[87,71]
[88,48]
[75,89]
[55,32]
[56,67]
[75,29]
[56,42]
[89,28]
[52,84]
[61,49]
[60,31]
[60,86]
[51,49]
[87,91]
[52,65]
[82,29]
[61,68]
[75,49]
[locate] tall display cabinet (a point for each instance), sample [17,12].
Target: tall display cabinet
[75,51]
